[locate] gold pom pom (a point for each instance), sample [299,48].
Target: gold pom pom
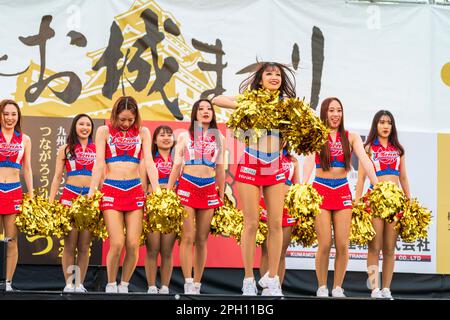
[238,227]
[145,231]
[257,111]
[62,220]
[303,204]
[362,231]
[414,222]
[164,212]
[261,235]
[99,231]
[35,218]
[301,128]
[225,219]
[87,215]
[304,236]
[303,201]
[386,201]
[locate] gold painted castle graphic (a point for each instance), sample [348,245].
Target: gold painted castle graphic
[186,84]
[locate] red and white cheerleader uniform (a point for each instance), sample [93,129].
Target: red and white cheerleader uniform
[196,192]
[123,195]
[80,164]
[260,168]
[164,168]
[336,192]
[11,156]
[386,161]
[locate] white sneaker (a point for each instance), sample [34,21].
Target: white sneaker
[80,289]
[386,293]
[322,292]
[111,288]
[274,286]
[8,286]
[263,281]
[122,288]
[249,287]
[197,285]
[164,290]
[189,288]
[376,293]
[265,292]
[152,290]
[69,288]
[338,292]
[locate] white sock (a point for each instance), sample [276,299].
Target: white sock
[112,283]
[123,283]
[188,280]
[249,279]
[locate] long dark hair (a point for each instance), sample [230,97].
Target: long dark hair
[155,135]
[3,104]
[72,138]
[393,137]
[325,152]
[122,104]
[287,88]
[212,124]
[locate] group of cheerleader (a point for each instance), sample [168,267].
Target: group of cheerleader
[381,158]
[126,162]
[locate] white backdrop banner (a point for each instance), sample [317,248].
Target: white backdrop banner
[63,57]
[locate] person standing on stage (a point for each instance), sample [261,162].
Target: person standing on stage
[120,147]
[290,167]
[388,159]
[201,152]
[15,155]
[259,167]
[332,166]
[77,156]
[157,242]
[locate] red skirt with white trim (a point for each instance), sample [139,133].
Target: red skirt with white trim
[335,192]
[198,193]
[260,169]
[122,195]
[10,198]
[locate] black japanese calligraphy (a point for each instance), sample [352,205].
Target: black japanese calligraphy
[73,88]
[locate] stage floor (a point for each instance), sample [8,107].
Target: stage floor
[46,283]
[59,295]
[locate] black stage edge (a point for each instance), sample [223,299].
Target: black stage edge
[47,282]
[134,306]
